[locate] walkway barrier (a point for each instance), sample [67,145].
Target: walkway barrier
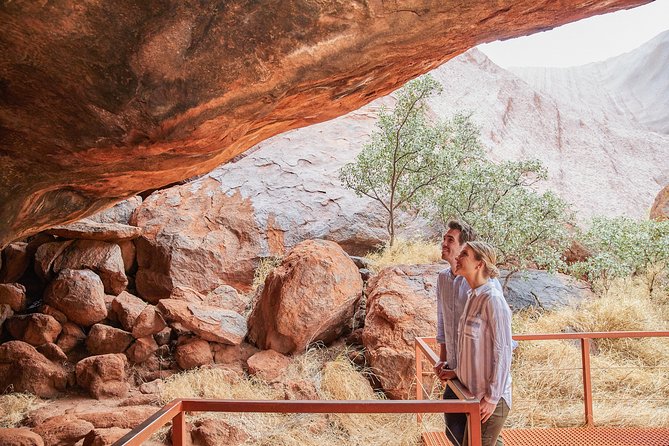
[426,355]
[176,409]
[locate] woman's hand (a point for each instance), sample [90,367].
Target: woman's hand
[486,410]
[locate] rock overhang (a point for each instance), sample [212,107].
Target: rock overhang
[100,101]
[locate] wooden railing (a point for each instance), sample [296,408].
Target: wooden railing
[424,350]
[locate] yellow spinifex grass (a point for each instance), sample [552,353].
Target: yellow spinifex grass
[630,377]
[405,252]
[15,406]
[334,378]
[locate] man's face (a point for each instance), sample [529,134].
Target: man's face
[450,246]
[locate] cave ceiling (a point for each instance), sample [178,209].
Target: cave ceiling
[100,100]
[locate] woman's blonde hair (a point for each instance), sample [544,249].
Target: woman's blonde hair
[485,253]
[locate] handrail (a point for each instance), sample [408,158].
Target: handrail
[585,337]
[176,409]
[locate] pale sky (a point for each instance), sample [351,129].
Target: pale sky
[588,40]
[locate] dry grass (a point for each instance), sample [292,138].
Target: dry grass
[15,406]
[265,266]
[630,377]
[405,252]
[334,377]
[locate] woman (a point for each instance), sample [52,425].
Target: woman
[484,340]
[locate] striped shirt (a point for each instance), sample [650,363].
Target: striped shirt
[484,341]
[452,292]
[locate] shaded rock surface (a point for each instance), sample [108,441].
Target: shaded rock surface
[310,297]
[209,323]
[141,95]
[79,294]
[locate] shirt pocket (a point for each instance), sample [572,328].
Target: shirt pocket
[473,327]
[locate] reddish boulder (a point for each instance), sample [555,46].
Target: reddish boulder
[126,308]
[103,339]
[51,311]
[209,323]
[14,261]
[214,432]
[104,437]
[52,352]
[24,369]
[101,257]
[19,437]
[35,329]
[71,336]
[268,365]
[234,357]
[193,353]
[103,376]
[148,322]
[6,312]
[14,295]
[660,209]
[86,229]
[128,254]
[311,297]
[63,430]
[46,254]
[79,294]
[122,417]
[200,244]
[401,305]
[141,349]
[300,390]
[228,298]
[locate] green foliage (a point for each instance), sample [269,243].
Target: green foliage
[623,246]
[527,228]
[407,154]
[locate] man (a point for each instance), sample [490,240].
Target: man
[452,292]
[451,298]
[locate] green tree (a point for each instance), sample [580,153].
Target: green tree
[624,246]
[408,154]
[528,228]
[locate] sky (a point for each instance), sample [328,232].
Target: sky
[589,40]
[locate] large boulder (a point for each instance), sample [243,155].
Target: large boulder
[209,323]
[35,329]
[103,258]
[79,294]
[63,430]
[103,339]
[148,323]
[104,376]
[192,353]
[70,337]
[24,369]
[119,213]
[14,295]
[86,229]
[126,307]
[196,243]
[401,305]
[14,261]
[19,437]
[310,297]
[535,288]
[268,365]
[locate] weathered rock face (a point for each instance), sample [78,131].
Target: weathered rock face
[183,88]
[660,209]
[401,305]
[310,297]
[103,375]
[196,243]
[79,294]
[534,288]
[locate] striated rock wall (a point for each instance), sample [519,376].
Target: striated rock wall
[102,100]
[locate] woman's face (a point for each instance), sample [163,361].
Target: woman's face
[467,263]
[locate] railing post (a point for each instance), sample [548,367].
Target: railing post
[587,381]
[474,426]
[178,429]
[419,378]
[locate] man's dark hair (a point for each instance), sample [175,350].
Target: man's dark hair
[467,233]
